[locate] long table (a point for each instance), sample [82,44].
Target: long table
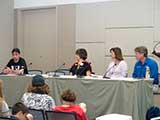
[129,97]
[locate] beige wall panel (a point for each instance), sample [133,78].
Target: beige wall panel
[6,31]
[40,39]
[128,39]
[66,34]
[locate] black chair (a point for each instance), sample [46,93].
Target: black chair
[54,115]
[37,114]
[35,72]
[6,118]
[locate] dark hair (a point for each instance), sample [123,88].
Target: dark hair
[68,96]
[152,112]
[156,53]
[82,53]
[118,53]
[16,50]
[142,49]
[19,107]
[38,89]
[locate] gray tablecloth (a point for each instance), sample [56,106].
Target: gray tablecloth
[101,96]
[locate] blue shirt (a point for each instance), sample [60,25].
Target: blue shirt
[140,70]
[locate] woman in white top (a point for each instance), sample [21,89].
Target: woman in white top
[37,96]
[118,67]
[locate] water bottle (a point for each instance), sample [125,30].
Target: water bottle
[147,72]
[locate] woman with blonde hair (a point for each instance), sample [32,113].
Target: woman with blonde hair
[37,96]
[4,109]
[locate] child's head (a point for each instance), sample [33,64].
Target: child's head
[20,111]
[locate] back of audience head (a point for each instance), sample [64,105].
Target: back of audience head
[68,96]
[20,111]
[38,85]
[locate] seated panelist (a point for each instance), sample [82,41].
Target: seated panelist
[143,63]
[118,67]
[16,65]
[81,67]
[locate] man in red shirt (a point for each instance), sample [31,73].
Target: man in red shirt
[68,105]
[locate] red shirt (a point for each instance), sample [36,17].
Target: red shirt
[80,115]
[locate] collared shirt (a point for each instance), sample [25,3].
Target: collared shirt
[140,70]
[117,71]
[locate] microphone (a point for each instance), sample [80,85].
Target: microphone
[61,66]
[108,71]
[30,64]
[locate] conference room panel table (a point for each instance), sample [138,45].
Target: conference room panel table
[126,96]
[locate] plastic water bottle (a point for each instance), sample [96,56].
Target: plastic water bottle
[147,72]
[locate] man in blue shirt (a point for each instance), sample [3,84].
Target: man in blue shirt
[141,54]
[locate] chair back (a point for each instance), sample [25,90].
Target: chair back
[6,118]
[37,114]
[54,115]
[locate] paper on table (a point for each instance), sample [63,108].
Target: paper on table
[67,76]
[125,79]
[10,75]
[114,117]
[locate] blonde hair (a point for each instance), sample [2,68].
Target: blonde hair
[1,95]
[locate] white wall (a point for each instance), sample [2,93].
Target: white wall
[6,31]
[63,35]
[42,3]
[100,26]
[90,33]
[126,24]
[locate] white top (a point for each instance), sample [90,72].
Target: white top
[117,71]
[38,101]
[4,112]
